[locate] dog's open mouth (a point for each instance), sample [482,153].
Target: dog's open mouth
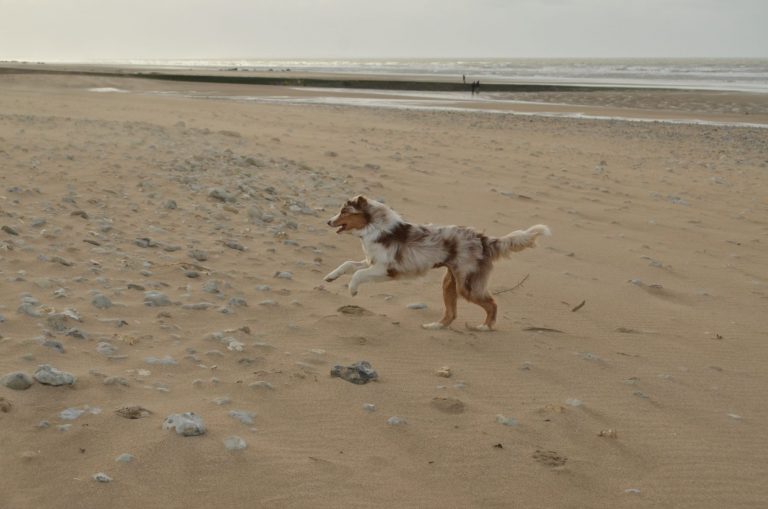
[341,228]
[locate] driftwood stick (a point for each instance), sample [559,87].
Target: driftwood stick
[579,306]
[518,285]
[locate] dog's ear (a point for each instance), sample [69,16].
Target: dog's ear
[360,202]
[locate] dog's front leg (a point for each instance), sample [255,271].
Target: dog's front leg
[373,273]
[345,268]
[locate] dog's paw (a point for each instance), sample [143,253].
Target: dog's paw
[330,278]
[352,291]
[433,326]
[478,328]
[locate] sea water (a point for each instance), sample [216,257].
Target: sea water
[750,75]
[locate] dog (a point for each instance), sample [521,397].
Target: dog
[395,249]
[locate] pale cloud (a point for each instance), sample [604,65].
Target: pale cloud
[91,29]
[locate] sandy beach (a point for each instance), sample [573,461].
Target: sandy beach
[165,244]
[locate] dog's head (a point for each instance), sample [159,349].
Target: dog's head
[353,216]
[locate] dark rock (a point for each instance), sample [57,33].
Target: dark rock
[187,424]
[17,381]
[48,375]
[358,373]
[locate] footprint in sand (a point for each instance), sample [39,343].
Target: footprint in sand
[549,458]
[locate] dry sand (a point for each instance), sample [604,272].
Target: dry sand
[659,229]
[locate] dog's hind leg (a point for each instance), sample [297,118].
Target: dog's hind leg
[489,305]
[474,289]
[345,268]
[450,296]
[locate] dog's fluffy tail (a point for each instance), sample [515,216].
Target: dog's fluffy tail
[517,241]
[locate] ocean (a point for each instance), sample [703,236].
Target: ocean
[747,75]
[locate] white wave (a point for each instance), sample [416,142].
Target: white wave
[108,90]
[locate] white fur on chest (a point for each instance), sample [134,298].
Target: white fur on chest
[375,253]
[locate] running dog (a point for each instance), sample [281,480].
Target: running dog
[395,249]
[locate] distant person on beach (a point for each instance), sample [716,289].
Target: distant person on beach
[464,78]
[477,87]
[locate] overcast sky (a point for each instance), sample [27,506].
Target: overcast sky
[81,30]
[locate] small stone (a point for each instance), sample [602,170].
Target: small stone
[170,205]
[369,407]
[125,458]
[574,402]
[198,306]
[70,414]
[5,405]
[608,433]
[187,424]
[64,321]
[101,477]
[18,381]
[155,298]
[213,286]
[284,275]
[198,255]
[162,361]
[61,261]
[234,443]
[145,242]
[231,244]
[29,309]
[48,375]
[444,372]
[101,301]
[507,421]
[242,416]
[358,373]
[10,230]
[105,348]
[116,380]
[396,421]
[133,412]
[417,305]
[261,384]
[220,194]
[237,302]
[235,346]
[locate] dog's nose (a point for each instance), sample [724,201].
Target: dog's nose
[329,223]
